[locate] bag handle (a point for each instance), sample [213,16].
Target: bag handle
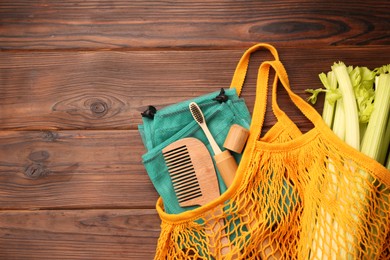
[260,106]
[242,66]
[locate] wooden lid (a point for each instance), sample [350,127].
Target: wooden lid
[236,138]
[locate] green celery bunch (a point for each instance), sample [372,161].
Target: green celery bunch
[356,107]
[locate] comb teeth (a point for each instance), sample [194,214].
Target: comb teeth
[182,172]
[196,113]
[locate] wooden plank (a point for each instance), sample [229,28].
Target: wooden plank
[109,90]
[78,234]
[73,169]
[206,24]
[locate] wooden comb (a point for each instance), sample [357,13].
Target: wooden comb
[195,183]
[192,172]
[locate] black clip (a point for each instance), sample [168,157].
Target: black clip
[221,97]
[150,112]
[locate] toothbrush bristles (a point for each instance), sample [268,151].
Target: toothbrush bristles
[196,113]
[199,118]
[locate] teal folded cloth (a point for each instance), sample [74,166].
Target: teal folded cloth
[176,122]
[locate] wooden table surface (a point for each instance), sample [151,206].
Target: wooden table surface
[75,76]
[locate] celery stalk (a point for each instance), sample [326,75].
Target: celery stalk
[374,136]
[351,136]
[329,81]
[339,120]
[385,145]
[375,140]
[329,104]
[333,116]
[363,129]
[350,107]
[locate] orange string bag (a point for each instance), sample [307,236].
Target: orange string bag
[295,195]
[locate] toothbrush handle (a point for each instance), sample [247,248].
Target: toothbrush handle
[212,142]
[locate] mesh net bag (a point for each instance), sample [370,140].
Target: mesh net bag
[295,195]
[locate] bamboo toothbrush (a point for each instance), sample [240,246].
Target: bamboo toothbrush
[195,183]
[225,162]
[227,166]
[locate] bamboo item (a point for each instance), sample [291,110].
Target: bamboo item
[192,172]
[227,166]
[236,138]
[224,161]
[195,183]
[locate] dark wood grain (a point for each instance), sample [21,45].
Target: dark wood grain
[73,170]
[109,90]
[78,234]
[177,24]
[75,76]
